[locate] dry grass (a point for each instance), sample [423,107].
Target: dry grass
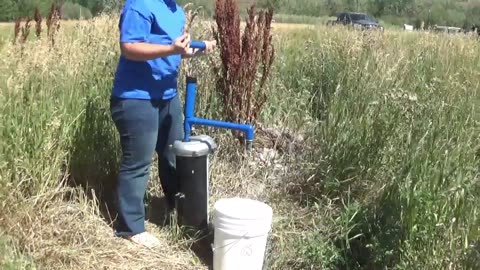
[55,230]
[72,234]
[279,26]
[291,26]
[63,229]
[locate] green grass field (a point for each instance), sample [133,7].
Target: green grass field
[381,170]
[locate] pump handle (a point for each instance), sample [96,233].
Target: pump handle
[198,45]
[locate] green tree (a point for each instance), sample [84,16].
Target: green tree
[275,4]
[377,7]
[75,11]
[26,7]
[472,15]
[90,4]
[8,10]
[350,5]
[332,7]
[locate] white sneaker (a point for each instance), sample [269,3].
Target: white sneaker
[145,239]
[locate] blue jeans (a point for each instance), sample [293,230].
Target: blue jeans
[144,126]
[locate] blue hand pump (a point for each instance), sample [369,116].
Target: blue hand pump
[191,120]
[192,160]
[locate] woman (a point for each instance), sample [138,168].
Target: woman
[145,106]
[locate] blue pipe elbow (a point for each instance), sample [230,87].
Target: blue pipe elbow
[189,112]
[247,129]
[249,133]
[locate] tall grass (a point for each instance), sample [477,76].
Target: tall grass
[397,150]
[387,176]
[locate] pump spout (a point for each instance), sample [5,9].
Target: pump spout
[249,146]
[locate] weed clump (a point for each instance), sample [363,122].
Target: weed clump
[26,30]
[53,25]
[17,29]
[53,22]
[246,60]
[38,22]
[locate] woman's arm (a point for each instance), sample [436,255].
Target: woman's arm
[141,51]
[135,27]
[145,51]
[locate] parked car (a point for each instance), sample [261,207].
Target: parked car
[357,20]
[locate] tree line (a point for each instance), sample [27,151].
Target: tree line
[461,13]
[70,9]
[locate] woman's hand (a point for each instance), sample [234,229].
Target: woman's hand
[181,45]
[147,51]
[210,46]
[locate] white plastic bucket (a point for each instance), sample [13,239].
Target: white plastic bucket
[241,232]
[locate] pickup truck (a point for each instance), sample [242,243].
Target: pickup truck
[357,20]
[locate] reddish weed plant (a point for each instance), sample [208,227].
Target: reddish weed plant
[53,22]
[17,29]
[38,22]
[246,60]
[26,30]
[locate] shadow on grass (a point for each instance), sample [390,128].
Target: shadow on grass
[362,237]
[95,155]
[155,211]
[201,240]
[374,234]
[472,257]
[202,248]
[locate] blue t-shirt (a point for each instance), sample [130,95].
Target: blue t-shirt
[151,21]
